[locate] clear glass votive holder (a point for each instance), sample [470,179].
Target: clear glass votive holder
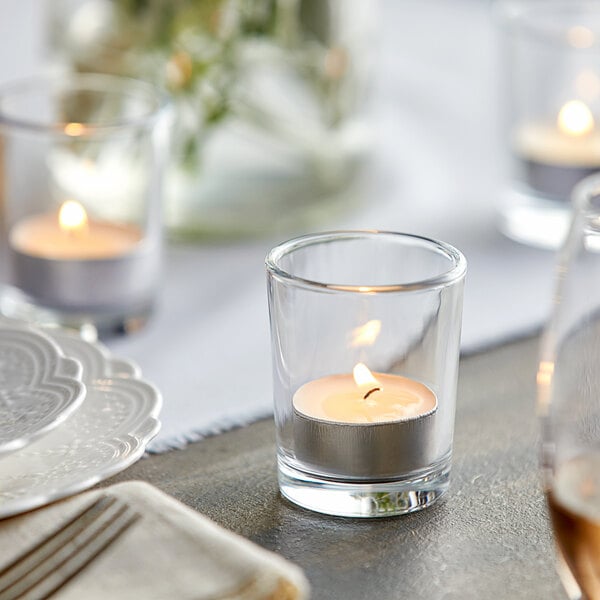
[551,80]
[365,336]
[80,168]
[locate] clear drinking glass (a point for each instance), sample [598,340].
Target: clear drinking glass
[551,104]
[365,335]
[569,399]
[80,167]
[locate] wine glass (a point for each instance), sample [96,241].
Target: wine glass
[569,399]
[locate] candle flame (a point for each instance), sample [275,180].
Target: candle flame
[575,118]
[72,217]
[74,129]
[363,376]
[366,334]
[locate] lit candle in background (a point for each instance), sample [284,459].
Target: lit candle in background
[575,119]
[73,221]
[68,260]
[364,424]
[72,218]
[556,157]
[70,234]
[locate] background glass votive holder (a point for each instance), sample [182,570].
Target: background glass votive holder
[551,54]
[365,335]
[80,174]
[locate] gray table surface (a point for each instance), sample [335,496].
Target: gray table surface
[489,538]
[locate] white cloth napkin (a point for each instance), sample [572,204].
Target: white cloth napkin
[172,552]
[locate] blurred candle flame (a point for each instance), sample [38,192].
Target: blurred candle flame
[575,118]
[72,217]
[74,129]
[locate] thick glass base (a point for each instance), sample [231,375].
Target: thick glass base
[363,499]
[89,324]
[534,220]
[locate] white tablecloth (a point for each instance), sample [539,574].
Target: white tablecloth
[436,172]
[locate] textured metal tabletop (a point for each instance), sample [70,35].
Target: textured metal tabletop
[489,538]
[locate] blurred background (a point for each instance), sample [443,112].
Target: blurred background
[388,116]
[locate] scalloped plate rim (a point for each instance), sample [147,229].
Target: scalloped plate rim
[58,374]
[27,503]
[143,431]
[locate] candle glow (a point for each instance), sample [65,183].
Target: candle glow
[366,334]
[366,383]
[364,397]
[580,36]
[363,376]
[72,235]
[575,119]
[72,218]
[74,129]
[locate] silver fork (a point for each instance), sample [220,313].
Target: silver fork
[46,567]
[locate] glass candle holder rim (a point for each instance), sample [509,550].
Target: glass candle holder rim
[452,275]
[94,82]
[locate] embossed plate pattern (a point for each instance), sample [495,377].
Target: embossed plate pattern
[39,387]
[109,432]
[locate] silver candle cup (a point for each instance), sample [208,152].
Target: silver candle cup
[366,451]
[117,285]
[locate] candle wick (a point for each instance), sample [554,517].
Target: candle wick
[375,389]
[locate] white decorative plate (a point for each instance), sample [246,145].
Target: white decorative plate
[95,358]
[109,432]
[39,387]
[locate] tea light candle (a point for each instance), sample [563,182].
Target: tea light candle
[364,425]
[66,260]
[556,158]
[70,235]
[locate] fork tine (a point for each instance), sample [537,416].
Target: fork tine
[62,554]
[46,567]
[77,563]
[26,561]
